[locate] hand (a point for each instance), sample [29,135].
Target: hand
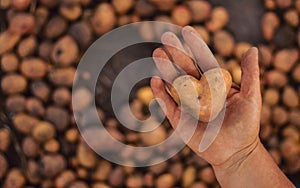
[238,135]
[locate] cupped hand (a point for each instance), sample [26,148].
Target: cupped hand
[238,135]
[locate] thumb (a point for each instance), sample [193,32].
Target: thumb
[250,84]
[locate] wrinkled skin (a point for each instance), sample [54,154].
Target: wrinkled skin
[238,135]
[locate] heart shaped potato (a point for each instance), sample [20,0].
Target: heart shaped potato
[204,98]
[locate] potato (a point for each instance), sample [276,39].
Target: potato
[65,178]
[189,176]
[13,83]
[203,32]
[202,98]
[9,62]
[145,95]
[223,43]
[265,55]
[121,7]
[14,179]
[27,46]
[265,114]
[271,96]
[219,18]
[291,132]
[34,68]
[290,97]
[241,48]
[21,23]
[134,181]
[275,155]
[8,40]
[186,90]
[70,12]
[284,60]
[275,78]
[279,116]
[155,136]
[181,15]
[270,4]
[265,132]
[283,3]
[296,73]
[207,175]
[104,18]
[165,181]
[269,22]
[5,136]
[200,10]
[21,4]
[43,131]
[291,17]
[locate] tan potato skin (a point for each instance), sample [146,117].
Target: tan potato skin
[204,98]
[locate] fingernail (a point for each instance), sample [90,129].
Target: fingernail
[252,50]
[167,35]
[169,38]
[159,53]
[155,80]
[190,29]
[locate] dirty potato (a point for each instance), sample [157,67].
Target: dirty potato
[204,98]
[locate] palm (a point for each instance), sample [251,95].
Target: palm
[240,126]
[237,132]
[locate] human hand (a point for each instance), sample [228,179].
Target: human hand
[238,135]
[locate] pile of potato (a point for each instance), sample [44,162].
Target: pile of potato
[280,70]
[41,43]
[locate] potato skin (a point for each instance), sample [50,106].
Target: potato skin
[189,92]
[217,83]
[172,91]
[204,98]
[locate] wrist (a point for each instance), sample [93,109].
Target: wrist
[254,169]
[234,163]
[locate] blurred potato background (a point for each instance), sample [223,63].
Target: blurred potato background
[42,41]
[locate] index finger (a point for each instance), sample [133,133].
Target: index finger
[164,65]
[204,57]
[173,45]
